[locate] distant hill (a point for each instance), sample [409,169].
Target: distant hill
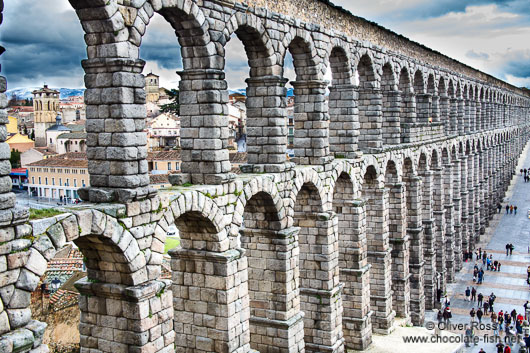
[25,92]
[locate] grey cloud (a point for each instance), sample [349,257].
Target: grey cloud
[474,55]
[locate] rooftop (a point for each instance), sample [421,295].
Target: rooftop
[18,138]
[173,155]
[46,151]
[73,135]
[159,178]
[45,89]
[71,160]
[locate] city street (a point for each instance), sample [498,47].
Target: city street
[508,285]
[23,200]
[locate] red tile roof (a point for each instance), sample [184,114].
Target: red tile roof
[71,159]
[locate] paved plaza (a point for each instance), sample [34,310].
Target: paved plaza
[509,285]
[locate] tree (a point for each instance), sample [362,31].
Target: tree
[13,100]
[173,107]
[15,159]
[29,102]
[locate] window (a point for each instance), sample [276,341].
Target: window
[46,180]
[53,181]
[50,140]
[168,165]
[33,180]
[75,182]
[177,166]
[67,182]
[60,182]
[156,166]
[39,181]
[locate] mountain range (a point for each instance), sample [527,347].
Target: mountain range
[25,92]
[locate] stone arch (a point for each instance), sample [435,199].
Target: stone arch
[265,242]
[250,31]
[264,69]
[419,82]
[354,272]
[370,119]
[309,148]
[339,61]
[203,268]
[319,271]
[305,58]
[308,176]
[199,221]
[423,100]
[114,260]
[379,250]
[408,103]
[268,200]
[391,106]
[343,112]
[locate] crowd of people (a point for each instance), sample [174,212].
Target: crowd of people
[526,173]
[514,326]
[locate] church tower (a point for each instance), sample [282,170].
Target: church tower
[152,88]
[46,107]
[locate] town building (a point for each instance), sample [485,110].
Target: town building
[73,109]
[46,107]
[66,138]
[152,88]
[164,131]
[58,177]
[71,142]
[164,162]
[19,178]
[35,154]
[20,143]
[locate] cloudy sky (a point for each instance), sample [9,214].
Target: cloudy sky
[44,39]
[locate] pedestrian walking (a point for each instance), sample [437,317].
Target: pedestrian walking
[469,335]
[473,294]
[468,293]
[507,245]
[447,315]
[499,208]
[511,248]
[511,209]
[480,297]
[527,342]
[499,266]
[439,316]
[494,324]
[500,323]
[513,314]
[507,210]
[479,315]
[500,347]
[486,307]
[472,314]
[514,210]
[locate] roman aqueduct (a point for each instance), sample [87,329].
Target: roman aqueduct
[394,176]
